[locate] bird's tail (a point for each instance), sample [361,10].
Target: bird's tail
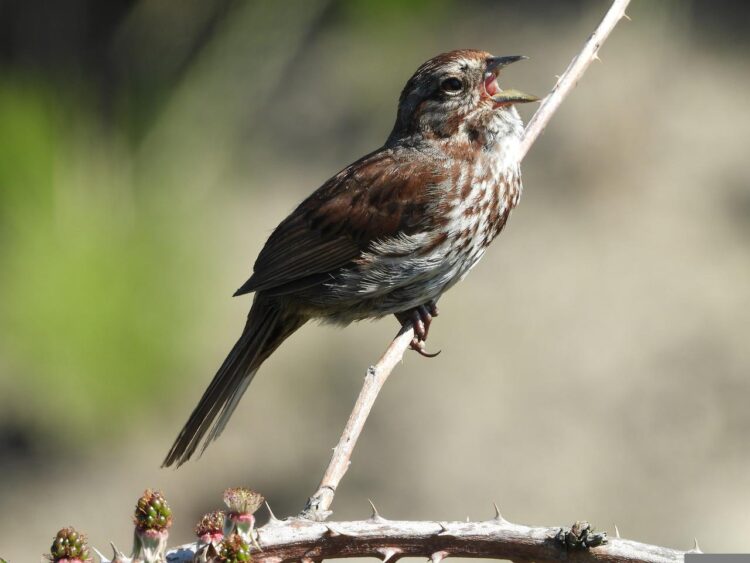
[267,327]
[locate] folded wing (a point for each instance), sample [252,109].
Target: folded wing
[383,195]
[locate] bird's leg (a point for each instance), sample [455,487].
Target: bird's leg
[420,318]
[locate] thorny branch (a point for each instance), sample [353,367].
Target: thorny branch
[297,539]
[318,506]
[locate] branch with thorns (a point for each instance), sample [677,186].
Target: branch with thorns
[296,539]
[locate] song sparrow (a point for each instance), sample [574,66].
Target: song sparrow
[390,233]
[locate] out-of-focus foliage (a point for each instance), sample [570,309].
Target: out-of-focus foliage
[94,184]
[93,311]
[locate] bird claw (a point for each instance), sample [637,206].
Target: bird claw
[420,319]
[418,347]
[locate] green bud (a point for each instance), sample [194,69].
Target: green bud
[152,512]
[68,544]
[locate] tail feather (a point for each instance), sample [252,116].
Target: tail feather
[267,327]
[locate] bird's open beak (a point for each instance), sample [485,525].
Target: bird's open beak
[504,97]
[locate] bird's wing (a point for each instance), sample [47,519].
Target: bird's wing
[383,195]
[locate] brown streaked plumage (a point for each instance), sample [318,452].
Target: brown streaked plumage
[390,233]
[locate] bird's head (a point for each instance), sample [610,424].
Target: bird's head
[451,89]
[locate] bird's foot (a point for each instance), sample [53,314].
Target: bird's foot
[420,319]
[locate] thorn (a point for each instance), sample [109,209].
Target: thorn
[375,517]
[100,555]
[617,532]
[388,553]
[627,17]
[498,516]
[468,519]
[117,555]
[443,530]
[438,556]
[271,516]
[254,538]
[596,57]
[696,547]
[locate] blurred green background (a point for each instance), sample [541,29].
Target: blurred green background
[595,365]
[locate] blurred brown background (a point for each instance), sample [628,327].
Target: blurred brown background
[595,364]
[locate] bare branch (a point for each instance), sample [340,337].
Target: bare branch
[389,540]
[318,506]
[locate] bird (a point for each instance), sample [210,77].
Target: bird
[388,234]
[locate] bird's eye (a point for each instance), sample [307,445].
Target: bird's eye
[451,85]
